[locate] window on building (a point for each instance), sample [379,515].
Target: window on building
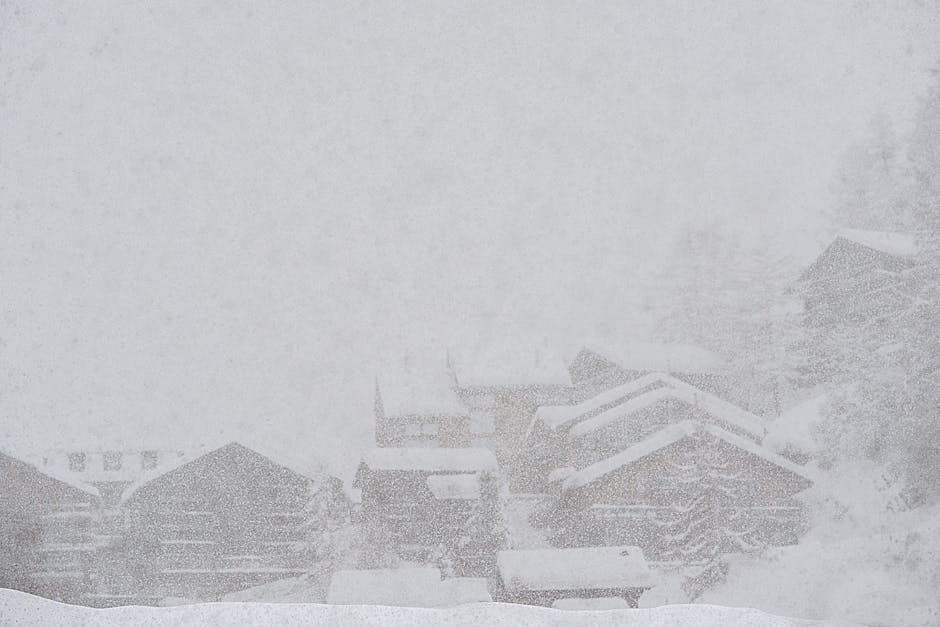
[148,460]
[77,462]
[112,460]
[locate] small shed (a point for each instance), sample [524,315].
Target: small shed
[545,576]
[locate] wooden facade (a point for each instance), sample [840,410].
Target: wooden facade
[416,500]
[856,277]
[742,492]
[47,531]
[225,520]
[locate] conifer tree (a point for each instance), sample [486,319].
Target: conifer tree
[704,524]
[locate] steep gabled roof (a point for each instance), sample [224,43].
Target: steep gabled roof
[670,435]
[195,456]
[894,244]
[624,400]
[679,390]
[59,477]
[850,250]
[623,410]
[555,416]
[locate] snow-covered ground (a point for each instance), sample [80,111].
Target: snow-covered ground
[870,566]
[17,608]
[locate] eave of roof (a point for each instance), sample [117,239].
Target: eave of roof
[670,435]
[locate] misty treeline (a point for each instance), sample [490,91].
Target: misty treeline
[880,363]
[876,361]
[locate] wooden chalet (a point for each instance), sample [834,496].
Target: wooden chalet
[575,435]
[416,499]
[641,494]
[856,277]
[484,397]
[502,384]
[218,521]
[419,409]
[47,531]
[630,462]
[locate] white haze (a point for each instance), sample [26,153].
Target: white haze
[215,216]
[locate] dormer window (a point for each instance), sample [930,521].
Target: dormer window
[148,460]
[112,460]
[77,462]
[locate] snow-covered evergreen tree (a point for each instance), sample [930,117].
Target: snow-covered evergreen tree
[325,516]
[882,357]
[704,524]
[483,534]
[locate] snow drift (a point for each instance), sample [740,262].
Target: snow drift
[17,608]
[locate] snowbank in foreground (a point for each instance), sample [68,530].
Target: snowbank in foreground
[17,608]
[866,564]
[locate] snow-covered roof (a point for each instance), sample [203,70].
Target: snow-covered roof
[287,462]
[763,452]
[509,362]
[793,429]
[419,391]
[56,475]
[671,357]
[895,244]
[411,587]
[655,442]
[561,473]
[679,390]
[622,410]
[555,416]
[431,459]
[465,486]
[671,435]
[587,568]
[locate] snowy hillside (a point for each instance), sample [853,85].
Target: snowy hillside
[17,608]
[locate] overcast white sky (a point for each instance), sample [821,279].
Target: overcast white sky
[213,216]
